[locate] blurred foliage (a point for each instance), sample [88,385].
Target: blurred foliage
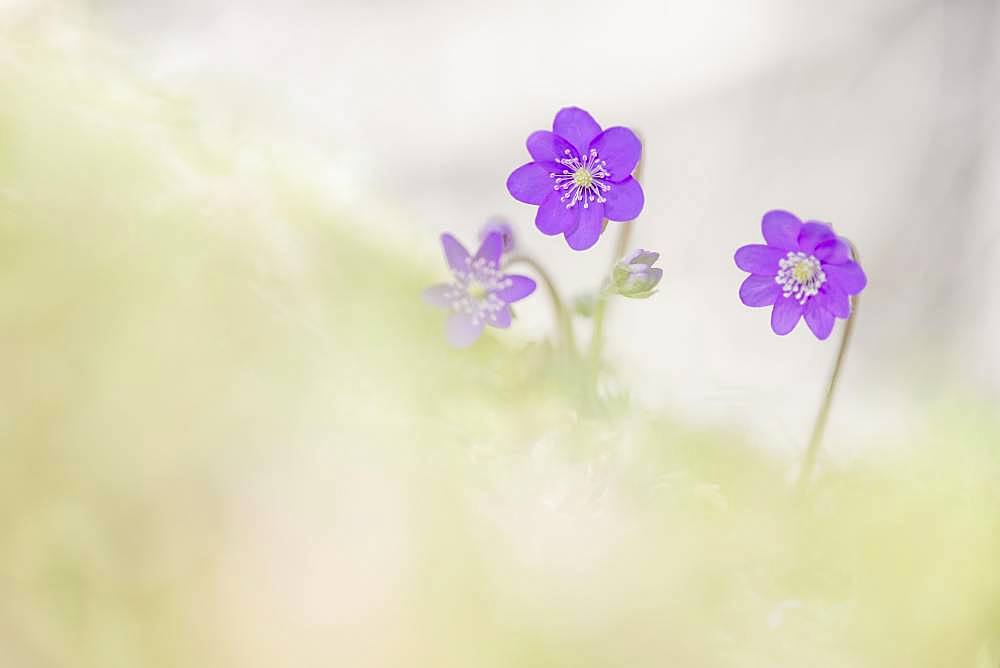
[233,436]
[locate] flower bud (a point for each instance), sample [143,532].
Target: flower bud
[634,275]
[499,226]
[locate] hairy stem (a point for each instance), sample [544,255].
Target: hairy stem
[597,337]
[809,462]
[561,316]
[601,307]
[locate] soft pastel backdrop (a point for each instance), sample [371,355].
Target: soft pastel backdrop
[232,434]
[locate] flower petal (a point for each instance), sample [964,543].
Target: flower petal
[455,253]
[553,217]
[500,318]
[781,229]
[820,320]
[530,183]
[438,295]
[545,146]
[833,251]
[621,149]
[641,282]
[759,259]
[759,290]
[785,315]
[499,225]
[835,299]
[639,255]
[462,330]
[813,234]
[848,276]
[519,287]
[491,249]
[625,200]
[588,231]
[577,127]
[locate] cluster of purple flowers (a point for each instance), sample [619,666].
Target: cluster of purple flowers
[580,177]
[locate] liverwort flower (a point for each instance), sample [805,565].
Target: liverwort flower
[501,227]
[480,293]
[804,270]
[579,176]
[635,276]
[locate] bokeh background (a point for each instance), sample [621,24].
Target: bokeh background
[233,435]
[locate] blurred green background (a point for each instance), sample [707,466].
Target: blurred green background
[233,436]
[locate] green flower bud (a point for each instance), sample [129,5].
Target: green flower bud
[634,275]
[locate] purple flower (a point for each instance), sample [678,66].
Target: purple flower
[501,227]
[579,176]
[804,270]
[480,292]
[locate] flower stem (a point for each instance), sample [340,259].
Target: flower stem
[559,312]
[809,462]
[597,337]
[600,308]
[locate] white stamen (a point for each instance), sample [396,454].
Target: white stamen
[800,276]
[474,290]
[583,180]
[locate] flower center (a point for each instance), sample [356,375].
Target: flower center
[476,290]
[800,276]
[583,179]
[803,272]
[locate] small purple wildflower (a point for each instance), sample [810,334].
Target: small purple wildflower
[501,227]
[804,270]
[579,176]
[480,293]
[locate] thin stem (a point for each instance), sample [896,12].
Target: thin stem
[809,462]
[626,234]
[560,314]
[600,308]
[597,336]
